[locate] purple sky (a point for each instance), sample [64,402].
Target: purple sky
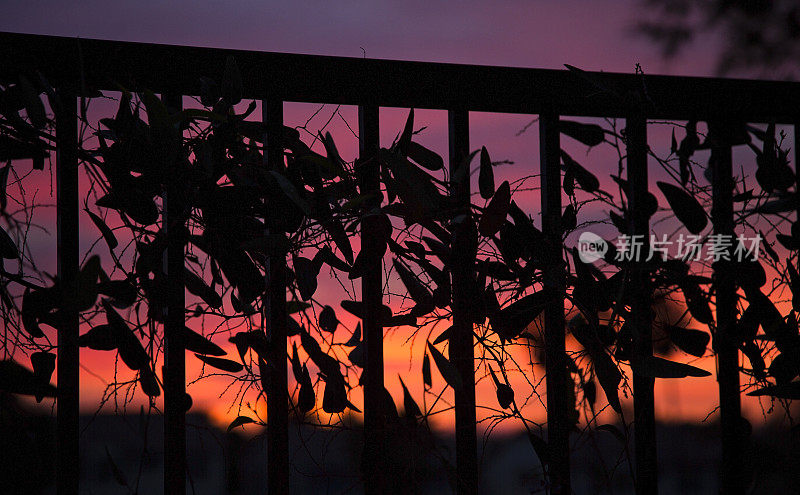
[590,34]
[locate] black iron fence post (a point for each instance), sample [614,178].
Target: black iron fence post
[174,376]
[277,320]
[372,296]
[68,259]
[732,481]
[558,409]
[461,336]
[643,394]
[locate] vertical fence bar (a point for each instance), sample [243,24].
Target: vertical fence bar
[276,319]
[724,342]
[372,296]
[796,168]
[643,394]
[68,259]
[173,220]
[461,336]
[558,409]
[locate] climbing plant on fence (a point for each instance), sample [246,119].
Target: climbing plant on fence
[235,195]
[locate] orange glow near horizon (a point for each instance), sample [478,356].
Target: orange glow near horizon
[677,400]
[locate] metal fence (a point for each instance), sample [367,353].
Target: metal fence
[73,65]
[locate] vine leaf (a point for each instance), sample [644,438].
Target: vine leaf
[587,180]
[686,207]
[293,307]
[689,340]
[418,292]
[221,363]
[197,286]
[327,365]
[427,380]
[404,142]
[148,382]
[328,320]
[606,370]
[85,294]
[130,349]
[445,335]
[99,338]
[253,339]
[656,367]
[325,255]
[789,390]
[331,151]
[44,363]
[588,134]
[355,339]
[410,406]
[187,402]
[358,309]
[195,342]
[14,149]
[240,421]
[291,192]
[495,213]
[33,103]
[297,368]
[486,175]
[372,252]
[306,400]
[505,394]
[569,219]
[306,272]
[425,157]
[569,182]
[421,198]
[686,149]
[512,320]
[696,301]
[17,379]
[794,283]
[446,368]
[122,292]
[35,305]
[264,373]
[334,397]
[649,203]
[3,187]
[105,231]
[357,355]
[8,249]
[335,229]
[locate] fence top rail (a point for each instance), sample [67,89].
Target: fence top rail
[109,65]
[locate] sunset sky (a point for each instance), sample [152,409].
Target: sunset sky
[593,35]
